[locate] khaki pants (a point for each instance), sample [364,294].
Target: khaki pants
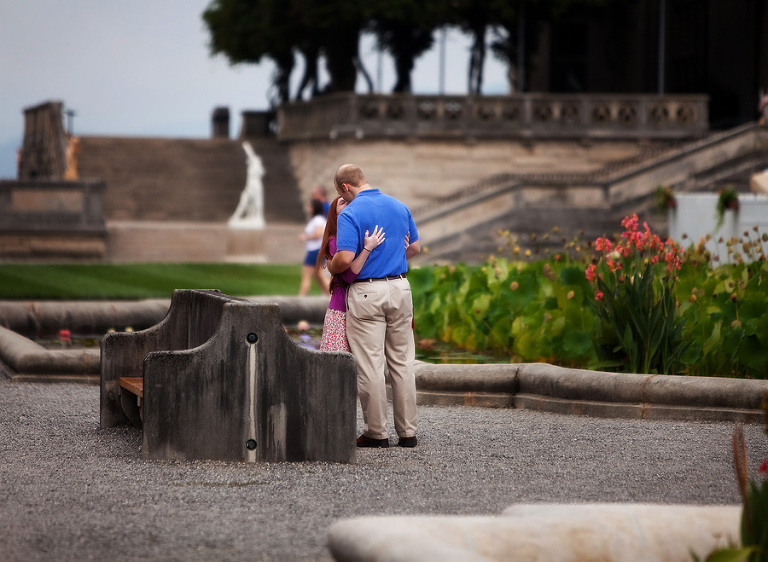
[380,332]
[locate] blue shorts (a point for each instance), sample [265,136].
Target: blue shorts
[311,257]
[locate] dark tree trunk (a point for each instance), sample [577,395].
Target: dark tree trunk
[341,55]
[477,60]
[361,69]
[311,56]
[282,79]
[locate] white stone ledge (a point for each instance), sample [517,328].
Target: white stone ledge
[544,533]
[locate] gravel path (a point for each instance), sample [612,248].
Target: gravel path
[69,491]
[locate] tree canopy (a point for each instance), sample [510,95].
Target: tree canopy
[248,31]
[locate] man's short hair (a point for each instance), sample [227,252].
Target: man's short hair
[351,174]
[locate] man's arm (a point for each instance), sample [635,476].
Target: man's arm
[412,250]
[341,261]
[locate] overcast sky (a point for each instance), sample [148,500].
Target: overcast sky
[142,68]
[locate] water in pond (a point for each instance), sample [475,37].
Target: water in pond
[306,335]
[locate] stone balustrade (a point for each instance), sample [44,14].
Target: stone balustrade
[527,116]
[52,206]
[44,218]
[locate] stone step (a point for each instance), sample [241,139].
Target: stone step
[583,205]
[164,241]
[417,173]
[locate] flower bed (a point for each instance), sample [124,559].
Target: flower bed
[710,318]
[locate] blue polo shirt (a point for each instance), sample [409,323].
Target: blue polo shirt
[370,208]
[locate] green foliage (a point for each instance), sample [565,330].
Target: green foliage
[404,29]
[726,199]
[639,329]
[726,310]
[246,31]
[665,199]
[529,312]
[755,519]
[701,320]
[754,513]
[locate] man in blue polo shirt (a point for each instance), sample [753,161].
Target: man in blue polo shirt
[379,305]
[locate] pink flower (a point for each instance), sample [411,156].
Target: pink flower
[612,265]
[590,272]
[598,295]
[630,223]
[603,245]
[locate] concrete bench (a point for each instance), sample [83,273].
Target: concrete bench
[219,379]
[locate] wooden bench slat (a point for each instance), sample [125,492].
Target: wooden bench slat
[133,384]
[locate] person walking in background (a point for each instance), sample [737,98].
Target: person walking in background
[379,305]
[321,194]
[334,336]
[312,238]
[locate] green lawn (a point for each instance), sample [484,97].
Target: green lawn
[136,281]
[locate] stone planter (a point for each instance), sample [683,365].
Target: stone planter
[695,216]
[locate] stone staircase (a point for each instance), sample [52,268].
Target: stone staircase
[283,202]
[421,172]
[160,179]
[464,225]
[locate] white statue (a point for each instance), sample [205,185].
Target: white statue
[250,209]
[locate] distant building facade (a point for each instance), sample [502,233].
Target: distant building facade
[714,47]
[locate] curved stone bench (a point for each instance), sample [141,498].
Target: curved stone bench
[219,379]
[542,532]
[545,387]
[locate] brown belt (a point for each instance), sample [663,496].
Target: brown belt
[372,279]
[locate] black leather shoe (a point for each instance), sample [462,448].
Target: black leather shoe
[364,441]
[407,441]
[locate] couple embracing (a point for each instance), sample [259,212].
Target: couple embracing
[368,240]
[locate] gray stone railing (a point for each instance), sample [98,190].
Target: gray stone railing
[595,201]
[527,116]
[52,206]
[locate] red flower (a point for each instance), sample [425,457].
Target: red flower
[590,273]
[763,470]
[630,223]
[603,245]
